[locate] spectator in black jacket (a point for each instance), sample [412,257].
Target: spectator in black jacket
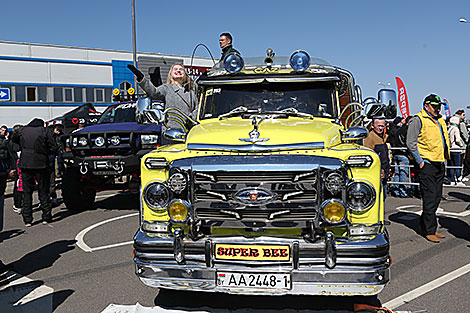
[400,157]
[225,43]
[7,166]
[36,143]
[18,189]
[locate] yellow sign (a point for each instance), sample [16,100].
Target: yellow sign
[252,252]
[116,92]
[268,69]
[131,91]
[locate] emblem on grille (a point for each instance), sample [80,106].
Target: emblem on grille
[254,134]
[254,196]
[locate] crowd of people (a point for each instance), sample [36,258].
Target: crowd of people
[419,149]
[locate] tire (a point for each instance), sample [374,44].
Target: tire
[76,192]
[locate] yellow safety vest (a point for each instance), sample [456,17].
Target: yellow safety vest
[430,138]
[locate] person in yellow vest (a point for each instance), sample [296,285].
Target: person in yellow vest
[428,142]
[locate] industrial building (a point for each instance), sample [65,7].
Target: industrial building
[45,81]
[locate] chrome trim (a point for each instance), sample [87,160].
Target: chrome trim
[269,79]
[256,147]
[330,250]
[352,275]
[178,250]
[354,133]
[222,196]
[287,195]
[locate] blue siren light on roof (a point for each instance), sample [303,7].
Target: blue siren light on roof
[233,63]
[299,60]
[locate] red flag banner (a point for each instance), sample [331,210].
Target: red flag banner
[402,98]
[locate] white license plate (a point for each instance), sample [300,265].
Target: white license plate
[253,280]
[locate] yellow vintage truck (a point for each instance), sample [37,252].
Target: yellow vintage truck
[268,192]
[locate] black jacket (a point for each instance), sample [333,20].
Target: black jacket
[7,162]
[227,50]
[36,144]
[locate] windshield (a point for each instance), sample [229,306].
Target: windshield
[315,99]
[124,112]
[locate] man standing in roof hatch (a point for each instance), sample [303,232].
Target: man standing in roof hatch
[428,142]
[225,42]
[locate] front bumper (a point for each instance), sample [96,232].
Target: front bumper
[361,267]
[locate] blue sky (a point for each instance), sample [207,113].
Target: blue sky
[420,41]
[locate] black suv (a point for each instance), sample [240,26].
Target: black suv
[106,155]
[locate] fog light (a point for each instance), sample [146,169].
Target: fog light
[115,140]
[99,142]
[299,60]
[178,210]
[82,141]
[233,63]
[333,211]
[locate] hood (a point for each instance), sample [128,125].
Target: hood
[122,127]
[274,134]
[37,122]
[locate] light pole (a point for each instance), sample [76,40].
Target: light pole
[134,55]
[463,20]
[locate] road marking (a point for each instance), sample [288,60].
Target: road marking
[23,294]
[413,294]
[81,242]
[439,211]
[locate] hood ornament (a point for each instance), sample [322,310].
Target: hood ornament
[254,134]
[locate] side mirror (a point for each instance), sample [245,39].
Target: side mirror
[354,133]
[147,112]
[175,135]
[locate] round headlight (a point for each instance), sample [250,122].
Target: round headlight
[334,182]
[299,60]
[360,196]
[115,140]
[99,142]
[156,195]
[178,210]
[233,62]
[177,182]
[333,211]
[82,141]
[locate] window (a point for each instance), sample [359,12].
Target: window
[20,93]
[90,96]
[77,94]
[108,94]
[99,95]
[42,94]
[68,95]
[58,97]
[125,85]
[30,93]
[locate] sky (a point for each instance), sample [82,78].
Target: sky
[420,41]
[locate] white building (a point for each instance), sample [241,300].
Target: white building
[46,81]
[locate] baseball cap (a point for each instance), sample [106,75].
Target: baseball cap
[433,99]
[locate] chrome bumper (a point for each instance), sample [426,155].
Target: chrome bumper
[361,267]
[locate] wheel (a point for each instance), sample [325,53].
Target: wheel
[77,194]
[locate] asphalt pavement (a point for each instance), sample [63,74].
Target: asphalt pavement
[82,262]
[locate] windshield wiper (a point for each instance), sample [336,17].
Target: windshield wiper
[292,112]
[237,111]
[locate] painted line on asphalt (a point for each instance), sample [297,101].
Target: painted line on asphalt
[413,294]
[81,242]
[439,211]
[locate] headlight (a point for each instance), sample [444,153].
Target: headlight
[360,196]
[333,211]
[115,140]
[299,60]
[334,182]
[82,141]
[156,195]
[99,142]
[177,182]
[178,210]
[233,63]
[149,139]
[74,141]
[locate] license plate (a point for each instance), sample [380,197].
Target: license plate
[253,280]
[252,252]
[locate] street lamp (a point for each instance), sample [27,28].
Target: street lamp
[385,85]
[134,54]
[463,20]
